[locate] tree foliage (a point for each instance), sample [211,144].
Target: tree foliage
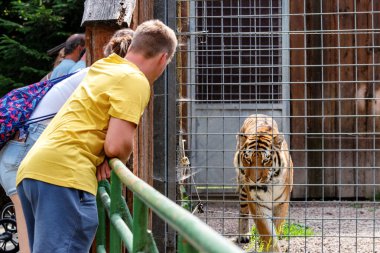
[30,28]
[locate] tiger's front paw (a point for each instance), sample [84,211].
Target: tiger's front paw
[241,239]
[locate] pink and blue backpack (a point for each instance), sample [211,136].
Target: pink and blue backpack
[17,106]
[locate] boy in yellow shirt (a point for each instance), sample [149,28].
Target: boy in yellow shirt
[57,180]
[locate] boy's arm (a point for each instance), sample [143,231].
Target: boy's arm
[118,144]
[119,139]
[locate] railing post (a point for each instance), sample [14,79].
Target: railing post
[196,232]
[140,225]
[195,236]
[184,246]
[143,238]
[116,189]
[101,234]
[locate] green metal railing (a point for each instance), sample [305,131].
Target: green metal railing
[193,234]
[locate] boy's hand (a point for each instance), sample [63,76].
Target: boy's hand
[103,171]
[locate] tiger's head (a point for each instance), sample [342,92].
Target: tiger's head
[256,152]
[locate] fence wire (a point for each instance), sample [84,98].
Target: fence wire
[314,68]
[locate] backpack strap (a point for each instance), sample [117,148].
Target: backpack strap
[39,119]
[51,83]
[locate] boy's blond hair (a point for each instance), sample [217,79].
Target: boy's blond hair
[153,37]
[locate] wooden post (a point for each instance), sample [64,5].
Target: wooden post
[101,21]
[376,106]
[297,91]
[365,89]
[330,91]
[143,143]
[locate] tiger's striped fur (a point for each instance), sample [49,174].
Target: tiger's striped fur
[265,177]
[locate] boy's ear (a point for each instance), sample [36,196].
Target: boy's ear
[164,58]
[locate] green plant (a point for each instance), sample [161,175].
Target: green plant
[295,230]
[357,205]
[288,230]
[185,200]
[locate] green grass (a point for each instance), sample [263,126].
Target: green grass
[289,230]
[295,230]
[356,205]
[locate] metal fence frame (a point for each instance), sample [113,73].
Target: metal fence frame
[317,37]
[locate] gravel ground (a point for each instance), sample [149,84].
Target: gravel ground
[338,226]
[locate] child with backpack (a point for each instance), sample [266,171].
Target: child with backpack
[26,112]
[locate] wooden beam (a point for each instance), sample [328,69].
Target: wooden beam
[97,36]
[143,143]
[330,91]
[297,91]
[108,11]
[101,19]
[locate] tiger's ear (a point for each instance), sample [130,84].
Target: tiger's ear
[241,138]
[278,139]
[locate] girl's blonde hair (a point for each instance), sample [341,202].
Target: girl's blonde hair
[119,42]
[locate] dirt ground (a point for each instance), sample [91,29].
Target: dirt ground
[346,227]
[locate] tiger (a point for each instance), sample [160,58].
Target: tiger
[265,177]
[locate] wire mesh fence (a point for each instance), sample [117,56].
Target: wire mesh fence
[314,68]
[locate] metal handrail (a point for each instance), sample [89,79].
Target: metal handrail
[197,236]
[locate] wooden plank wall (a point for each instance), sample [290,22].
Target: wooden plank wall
[335,127]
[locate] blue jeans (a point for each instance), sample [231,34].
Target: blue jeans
[58,219]
[11,156]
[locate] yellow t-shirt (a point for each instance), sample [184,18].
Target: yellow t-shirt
[70,148]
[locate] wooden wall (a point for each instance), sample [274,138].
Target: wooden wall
[335,89]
